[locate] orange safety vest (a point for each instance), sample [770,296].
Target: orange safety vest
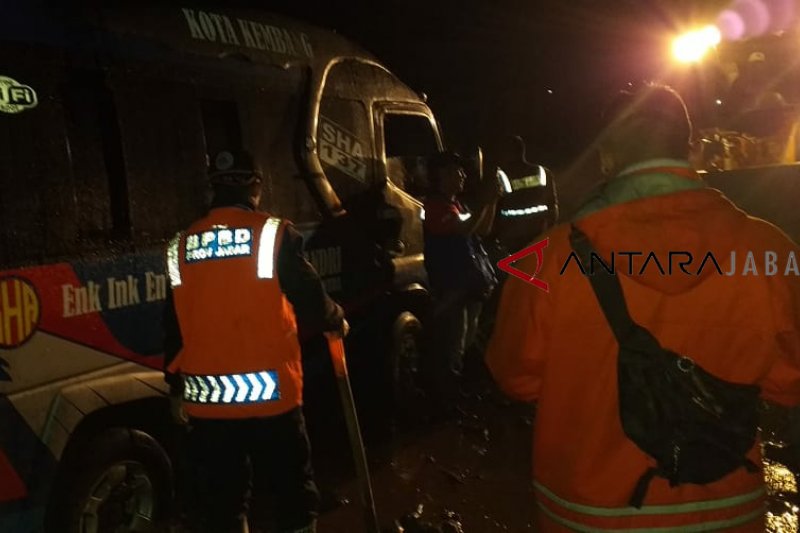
[240,356]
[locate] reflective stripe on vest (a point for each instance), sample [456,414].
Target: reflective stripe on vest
[173,261]
[266,247]
[253,387]
[713,525]
[524,212]
[266,252]
[504,180]
[529,182]
[653,510]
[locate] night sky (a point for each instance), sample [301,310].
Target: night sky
[541,69]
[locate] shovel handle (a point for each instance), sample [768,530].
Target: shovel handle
[336,347]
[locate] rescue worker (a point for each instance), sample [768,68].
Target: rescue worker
[557,349]
[239,285]
[451,239]
[530,205]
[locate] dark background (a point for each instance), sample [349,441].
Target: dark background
[487,67]
[542,69]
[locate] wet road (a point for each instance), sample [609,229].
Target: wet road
[478,466]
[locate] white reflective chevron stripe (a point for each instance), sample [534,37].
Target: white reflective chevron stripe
[269,386]
[195,388]
[243,388]
[257,386]
[204,390]
[173,261]
[266,248]
[232,388]
[216,390]
[190,389]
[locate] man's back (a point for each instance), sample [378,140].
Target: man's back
[557,348]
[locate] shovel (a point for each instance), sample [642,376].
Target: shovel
[336,347]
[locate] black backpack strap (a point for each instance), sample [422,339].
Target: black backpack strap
[637,498]
[606,287]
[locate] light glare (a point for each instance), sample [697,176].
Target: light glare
[692,46]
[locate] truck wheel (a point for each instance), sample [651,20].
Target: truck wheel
[119,480]
[406,366]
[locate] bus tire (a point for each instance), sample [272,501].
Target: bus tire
[117,480]
[405,367]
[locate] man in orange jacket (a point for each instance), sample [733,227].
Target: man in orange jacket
[239,284]
[556,347]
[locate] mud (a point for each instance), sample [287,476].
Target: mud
[475,470]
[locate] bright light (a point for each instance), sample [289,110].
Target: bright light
[691,47]
[718,101]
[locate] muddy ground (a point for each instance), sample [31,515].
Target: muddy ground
[476,465]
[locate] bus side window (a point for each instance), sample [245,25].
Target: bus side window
[162,139]
[408,140]
[47,166]
[96,159]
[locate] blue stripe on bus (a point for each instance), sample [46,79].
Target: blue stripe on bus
[35,465]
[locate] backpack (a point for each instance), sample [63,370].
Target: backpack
[697,427]
[481,277]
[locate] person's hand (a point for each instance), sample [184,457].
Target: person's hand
[501,183]
[176,409]
[340,333]
[490,191]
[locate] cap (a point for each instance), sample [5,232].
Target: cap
[440,160]
[233,168]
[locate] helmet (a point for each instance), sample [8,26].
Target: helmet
[233,168]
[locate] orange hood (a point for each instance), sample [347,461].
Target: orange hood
[696,220]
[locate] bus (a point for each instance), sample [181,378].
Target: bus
[106,120]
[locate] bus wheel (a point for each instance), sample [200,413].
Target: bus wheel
[406,366]
[119,480]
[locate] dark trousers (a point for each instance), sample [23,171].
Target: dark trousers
[233,459]
[453,324]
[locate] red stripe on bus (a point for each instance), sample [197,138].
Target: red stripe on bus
[11,486]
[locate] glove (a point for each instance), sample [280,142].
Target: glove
[176,409]
[340,333]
